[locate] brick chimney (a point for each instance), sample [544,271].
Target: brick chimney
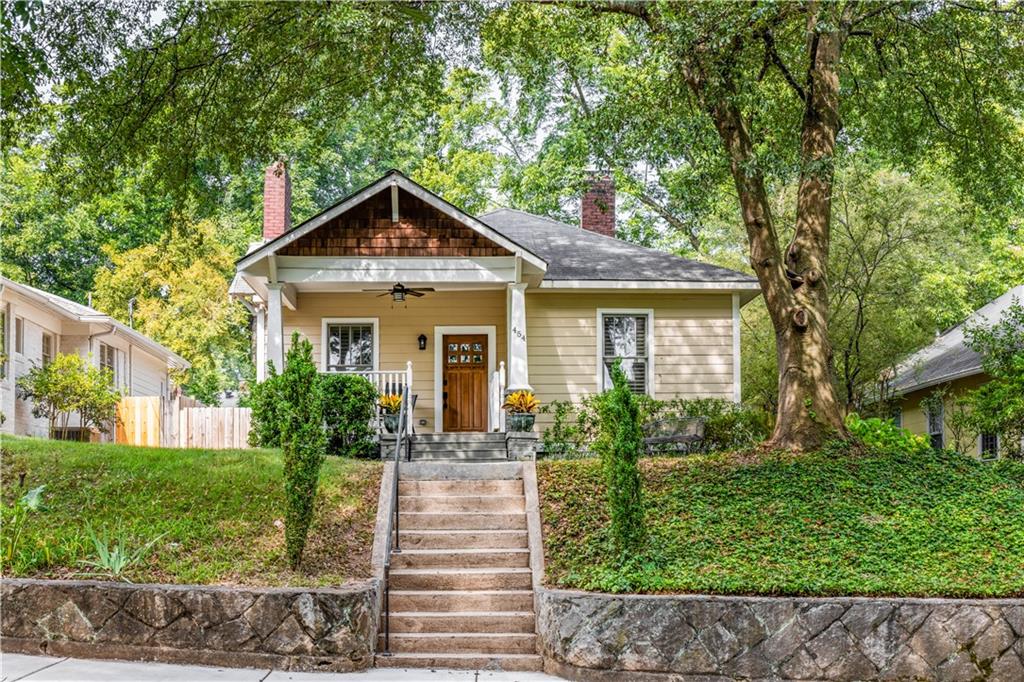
[597,213]
[277,201]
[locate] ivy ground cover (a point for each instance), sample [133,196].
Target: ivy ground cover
[828,523]
[212,516]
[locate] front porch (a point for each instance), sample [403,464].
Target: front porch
[452,347]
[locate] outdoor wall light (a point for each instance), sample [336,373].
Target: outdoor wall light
[422,338]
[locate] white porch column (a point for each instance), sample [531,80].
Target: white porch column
[518,367]
[275,327]
[261,341]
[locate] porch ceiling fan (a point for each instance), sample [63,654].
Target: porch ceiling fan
[399,291]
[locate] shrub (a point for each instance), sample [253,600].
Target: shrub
[883,436]
[71,385]
[265,401]
[303,441]
[727,425]
[348,405]
[620,443]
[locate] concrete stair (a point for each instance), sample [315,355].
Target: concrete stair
[459,447]
[461,589]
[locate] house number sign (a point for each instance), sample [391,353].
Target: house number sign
[519,334]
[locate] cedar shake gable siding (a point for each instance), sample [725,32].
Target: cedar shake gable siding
[367,230]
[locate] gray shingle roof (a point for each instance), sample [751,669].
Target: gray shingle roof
[949,357]
[576,254]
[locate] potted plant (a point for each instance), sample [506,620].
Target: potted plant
[520,406]
[390,405]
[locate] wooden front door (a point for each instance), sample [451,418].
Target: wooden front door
[464,382]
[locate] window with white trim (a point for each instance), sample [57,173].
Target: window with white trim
[19,335]
[3,345]
[108,360]
[46,351]
[936,432]
[349,347]
[988,445]
[625,336]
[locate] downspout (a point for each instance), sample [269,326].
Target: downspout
[110,332]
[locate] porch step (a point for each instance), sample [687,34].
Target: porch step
[464,642]
[486,487]
[461,521]
[472,661]
[427,438]
[461,600]
[485,455]
[488,504]
[460,471]
[461,579]
[463,539]
[461,558]
[517,622]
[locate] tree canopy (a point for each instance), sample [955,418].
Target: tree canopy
[863,159]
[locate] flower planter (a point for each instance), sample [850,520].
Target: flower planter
[391,423]
[520,422]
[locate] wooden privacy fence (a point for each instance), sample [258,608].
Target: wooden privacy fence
[181,423]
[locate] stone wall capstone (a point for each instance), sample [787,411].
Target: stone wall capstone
[592,636]
[283,628]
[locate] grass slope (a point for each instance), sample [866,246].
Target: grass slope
[824,524]
[221,511]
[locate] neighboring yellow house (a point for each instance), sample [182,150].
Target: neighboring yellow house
[397,284]
[950,367]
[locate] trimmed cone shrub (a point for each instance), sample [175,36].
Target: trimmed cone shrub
[620,443]
[303,441]
[349,402]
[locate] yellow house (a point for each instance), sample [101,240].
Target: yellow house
[395,283]
[948,368]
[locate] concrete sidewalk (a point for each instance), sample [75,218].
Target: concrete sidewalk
[15,667]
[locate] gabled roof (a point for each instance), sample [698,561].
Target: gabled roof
[576,254]
[949,357]
[392,177]
[83,313]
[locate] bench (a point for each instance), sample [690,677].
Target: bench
[674,434]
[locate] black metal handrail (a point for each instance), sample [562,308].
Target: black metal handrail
[394,543]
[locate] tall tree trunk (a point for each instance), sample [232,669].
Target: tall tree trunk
[794,285]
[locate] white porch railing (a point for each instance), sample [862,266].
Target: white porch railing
[387,380]
[496,392]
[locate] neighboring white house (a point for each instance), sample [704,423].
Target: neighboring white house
[397,283]
[36,325]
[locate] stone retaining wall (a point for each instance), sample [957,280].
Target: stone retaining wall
[590,636]
[286,628]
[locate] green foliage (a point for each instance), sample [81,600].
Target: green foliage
[727,425]
[348,405]
[71,385]
[997,407]
[267,411]
[835,522]
[13,521]
[220,513]
[883,436]
[620,444]
[180,287]
[114,556]
[303,440]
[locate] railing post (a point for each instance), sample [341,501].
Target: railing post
[502,383]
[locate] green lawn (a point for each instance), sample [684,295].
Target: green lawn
[221,510]
[824,524]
